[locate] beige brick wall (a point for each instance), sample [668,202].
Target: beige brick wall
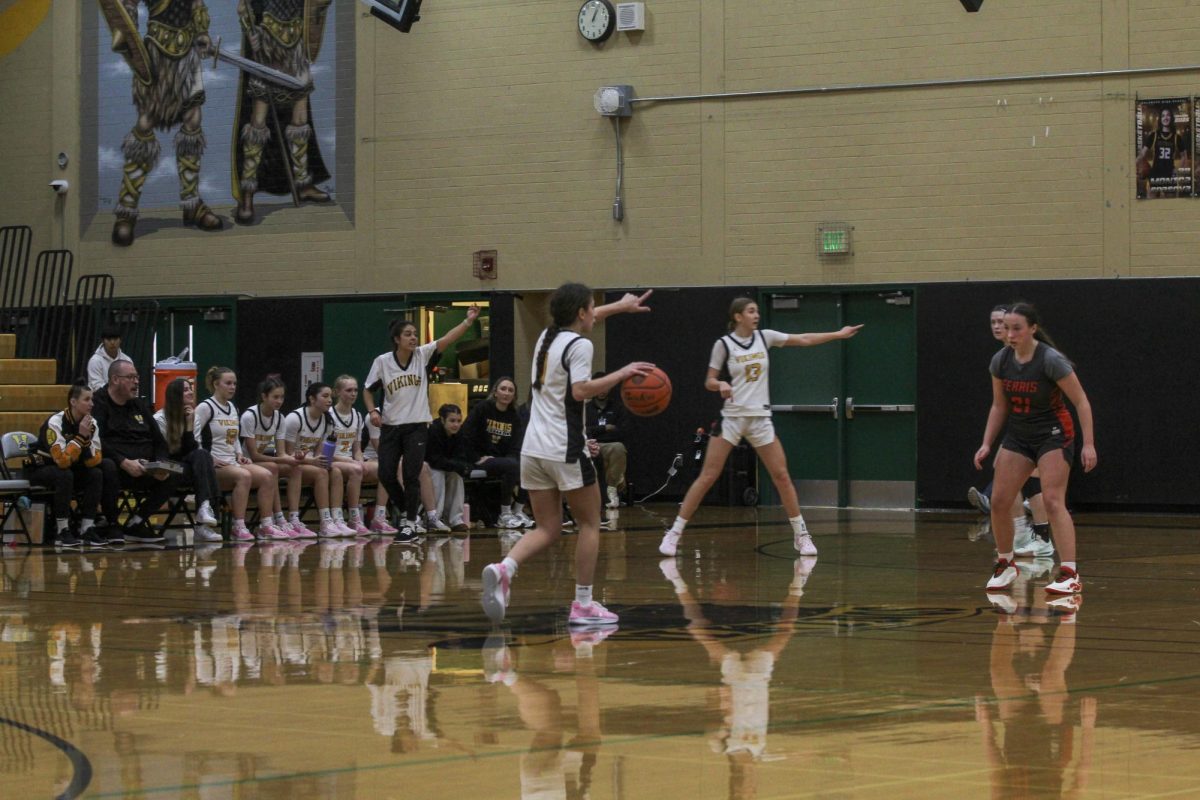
[476,131]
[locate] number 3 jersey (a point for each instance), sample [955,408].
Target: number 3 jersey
[1035,403]
[217,430]
[746,364]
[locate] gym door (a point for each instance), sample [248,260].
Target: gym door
[845,411]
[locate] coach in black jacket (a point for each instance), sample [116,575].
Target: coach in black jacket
[131,438]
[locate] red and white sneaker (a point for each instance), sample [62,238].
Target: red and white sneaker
[380,525]
[495,591]
[1003,574]
[1067,582]
[591,614]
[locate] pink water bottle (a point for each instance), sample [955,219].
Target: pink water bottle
[467,541]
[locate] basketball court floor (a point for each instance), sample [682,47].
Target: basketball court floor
[881,669]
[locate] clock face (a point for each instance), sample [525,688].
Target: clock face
[597,20]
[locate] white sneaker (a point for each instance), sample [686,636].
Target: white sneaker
[203,533]
[329,529]
[1003,574]
[804,544]
[495,591]
[614,499]
[979,500]
[205,515]
[417,526]
[670,569]
[436,524]
[526,520]
[670,542]
[1037,547]
[509,520]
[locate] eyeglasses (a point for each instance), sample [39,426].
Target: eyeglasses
[127,376]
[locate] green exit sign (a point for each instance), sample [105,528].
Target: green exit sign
[834,240]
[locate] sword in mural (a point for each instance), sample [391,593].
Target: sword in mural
[256,69]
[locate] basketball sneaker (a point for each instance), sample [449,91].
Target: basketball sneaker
[1036,547]
[670,543]
[301,531]
[1003,603]
[804,544]
[203,533]
[979,500]
[585,638]
[241,533]
[509,520]
[497,661]
[381,526]
[205,515]
[591,614]
[1003,574]
[1067,582]
[495,591]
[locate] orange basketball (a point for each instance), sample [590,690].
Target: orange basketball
[647,395]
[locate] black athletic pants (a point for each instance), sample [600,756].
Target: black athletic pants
[409,441]
[66,482]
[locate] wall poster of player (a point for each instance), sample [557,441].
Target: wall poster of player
[239,136]
[1164,148]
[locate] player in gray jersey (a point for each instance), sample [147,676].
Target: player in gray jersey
[1029,380]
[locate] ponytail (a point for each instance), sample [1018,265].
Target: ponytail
[565,304]
[539,365]
[213,375]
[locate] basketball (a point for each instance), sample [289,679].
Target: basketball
[647,395]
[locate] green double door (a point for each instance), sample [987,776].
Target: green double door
[845,411]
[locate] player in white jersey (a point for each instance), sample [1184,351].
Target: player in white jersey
[554,460]
[217,431]
[262,426]
[347,427]
[739,369]
[397,399]
[303,438]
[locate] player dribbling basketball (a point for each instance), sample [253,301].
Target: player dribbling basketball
[738,369]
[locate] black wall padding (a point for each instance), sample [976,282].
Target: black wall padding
[502,360]
[271,335]
[678,336]
[1135,344]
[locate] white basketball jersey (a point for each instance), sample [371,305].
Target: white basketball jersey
[405,397]
[305,436]
[347,429]
[747,364]
[556,419]
[263,430]
[217,428]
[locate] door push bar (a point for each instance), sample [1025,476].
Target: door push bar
[832,408]
[883,408]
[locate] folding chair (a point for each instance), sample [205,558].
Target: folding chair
[18,444]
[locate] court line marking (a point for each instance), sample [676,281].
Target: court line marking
[79,762]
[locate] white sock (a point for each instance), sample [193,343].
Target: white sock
[583,595]
[63,523]
[798,526]
[356,514]
[433,517]
[1070,565]
[380,511]
[87,524]
[679,524]
[1005,556]
[293,516]
[280,520]
[239,524]
[325,515]
[510,566]
[506,509]
[337,514]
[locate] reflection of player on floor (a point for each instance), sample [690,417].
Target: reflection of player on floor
[745,677]
[1029,379]
[1038,745]
[554,464]
[738,368]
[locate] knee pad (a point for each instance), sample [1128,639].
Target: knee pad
[1032,487]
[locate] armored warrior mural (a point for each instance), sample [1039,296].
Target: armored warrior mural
[168,90]
[285,35]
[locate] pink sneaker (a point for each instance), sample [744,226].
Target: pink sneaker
[300,530]
[495,591]
[591,614]
[242,535]
[358,528]
[267,530]
[344,528]
[380,525]
[329,529]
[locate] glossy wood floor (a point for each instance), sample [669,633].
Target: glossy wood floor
[880,669]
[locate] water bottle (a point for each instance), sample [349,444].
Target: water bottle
[467,515]
[329,448]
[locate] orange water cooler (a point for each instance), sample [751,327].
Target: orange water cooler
[167,371]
